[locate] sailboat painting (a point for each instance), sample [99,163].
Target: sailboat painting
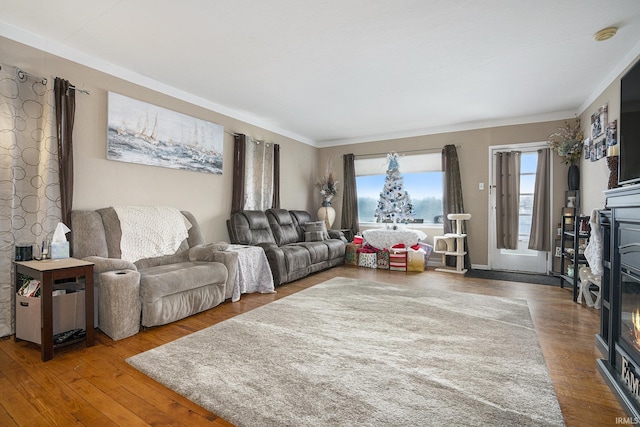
[143,133]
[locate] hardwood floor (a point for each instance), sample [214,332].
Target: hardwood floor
[96,387]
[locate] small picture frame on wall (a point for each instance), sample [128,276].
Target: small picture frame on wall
[571,199]
[586,148]
[612,133]
[593,151]
[599,121]
[600,149]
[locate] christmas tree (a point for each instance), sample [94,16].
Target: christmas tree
[394,205]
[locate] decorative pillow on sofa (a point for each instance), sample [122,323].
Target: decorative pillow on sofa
[318,230]
[313,236]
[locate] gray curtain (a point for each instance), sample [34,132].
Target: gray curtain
[539,239]
[65,96]
[507,199]
[237,193]
[452,197]
[349,219]
[275,204]
[29,183]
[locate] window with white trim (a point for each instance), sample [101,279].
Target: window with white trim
[422,179]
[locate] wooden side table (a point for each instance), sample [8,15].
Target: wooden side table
[47,272]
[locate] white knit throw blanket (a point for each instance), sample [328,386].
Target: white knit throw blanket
[150,231]
[593,251]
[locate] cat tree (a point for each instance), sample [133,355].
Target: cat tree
[452,244]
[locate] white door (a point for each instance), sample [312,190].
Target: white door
[522,259]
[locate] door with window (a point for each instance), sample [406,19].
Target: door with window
[521,259]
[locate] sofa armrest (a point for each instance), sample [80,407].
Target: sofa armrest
[267,246]
[230,260]
[206,252]
[277,263]
[337,234]
[102,264]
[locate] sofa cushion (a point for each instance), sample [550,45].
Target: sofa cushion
[282,226]
[250,228]
[160,281]
[336,248]
[318,251]
[112,231]
[297,258]
[88,238]
[299,219]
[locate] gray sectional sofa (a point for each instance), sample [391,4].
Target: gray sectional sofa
[294,245]
[150,291]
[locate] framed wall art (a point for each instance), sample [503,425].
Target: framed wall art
[138,132]
[586,148]
[612,133]
[599,121]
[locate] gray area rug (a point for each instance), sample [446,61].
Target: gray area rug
[349,352]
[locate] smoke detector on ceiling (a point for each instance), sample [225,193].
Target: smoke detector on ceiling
[605,34]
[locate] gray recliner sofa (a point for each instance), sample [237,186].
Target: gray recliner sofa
[152,291]
[281,233]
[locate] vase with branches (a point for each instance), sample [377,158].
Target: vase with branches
[327,184]
[567,143]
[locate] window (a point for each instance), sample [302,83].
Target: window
[422,179]
[528,166]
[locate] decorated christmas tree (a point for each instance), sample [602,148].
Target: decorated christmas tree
[394,205]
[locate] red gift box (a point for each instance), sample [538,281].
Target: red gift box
[398,259]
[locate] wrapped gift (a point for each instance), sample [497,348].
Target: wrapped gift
[357,240]
[398,259]
[383,259]
[415,260]
[351,254]
[427,248]
[367,259]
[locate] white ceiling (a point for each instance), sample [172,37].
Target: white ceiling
[330,72]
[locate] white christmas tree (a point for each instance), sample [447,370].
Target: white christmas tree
[394,205]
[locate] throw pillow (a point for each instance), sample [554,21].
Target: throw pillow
[316,227]
[313,236]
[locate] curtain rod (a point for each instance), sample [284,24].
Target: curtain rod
[83,91]
[422,150]
[257,141]
[22,75]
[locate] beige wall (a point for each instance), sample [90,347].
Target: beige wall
[594,176]
[100,182]
[473,156]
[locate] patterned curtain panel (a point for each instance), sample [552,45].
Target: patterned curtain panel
[29,186]
[258,175]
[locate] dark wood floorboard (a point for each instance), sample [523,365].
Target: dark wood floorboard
[96,387]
